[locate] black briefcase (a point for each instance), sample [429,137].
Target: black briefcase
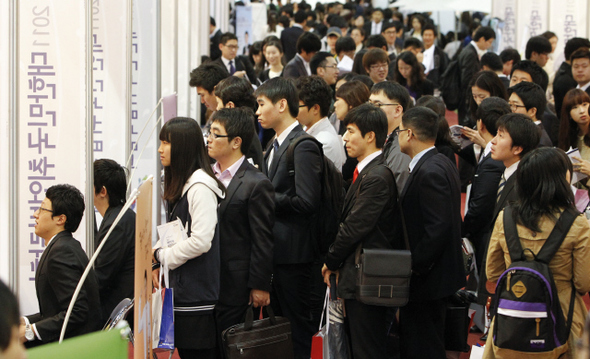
[265,338]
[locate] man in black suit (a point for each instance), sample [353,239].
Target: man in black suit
[115,264]
[214,38]
[245,219]
[234,65]
[490,61]
[307,46]
[297,199]
[368,221]
[289,36]
[581,69]
[60,268]
[564,80]
[469,63]
[431,202]
[435,60]
[484,186]
[528,98]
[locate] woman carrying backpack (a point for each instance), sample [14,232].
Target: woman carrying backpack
[544,193]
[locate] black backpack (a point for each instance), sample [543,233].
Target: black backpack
[528,315]
[327,220]
[450,85]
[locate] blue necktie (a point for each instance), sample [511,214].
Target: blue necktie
[232,69]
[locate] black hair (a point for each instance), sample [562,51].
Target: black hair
[354,93]
[280,88]
[187,154]
[284,21]
[532,96]
[542,187]
[9,316]
[487,81]
[538,75]
[237,90]
[387,13]
[238,122]
[364,79]
[338,21]
[417,77]
[538,44]
[226,37]
[313,90]
[374,56]
[573,44]
[443,135]
[309,42]
[430,27]
[369,118]
[486,32]
[491,60]
[490,110]
[212,21]
[548,35]
[112,176]
[523,132]
[318,60]
[423,122]
[377,41]
[300,17]
[568,128]
[393,91]
[311,14]
[388,25]
[348,76]
[580,54]
[69,201]
[510,54]
[414,43]
[207,76]
[345,43]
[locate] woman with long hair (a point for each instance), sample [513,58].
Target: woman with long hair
[484,84]
[191,193]
[544,193]
[574,129]
[410,73]
[273,54]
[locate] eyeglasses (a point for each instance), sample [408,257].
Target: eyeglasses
[398,130]
[45,209]
[330,67]
[215,135]
[379,67]
[514,106]
[379,104]
[389,32]
[300,106]
[232,47]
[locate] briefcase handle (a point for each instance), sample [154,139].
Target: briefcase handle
[250,317]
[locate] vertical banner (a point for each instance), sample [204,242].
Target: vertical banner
[243,28]
[185,41]
[532,20]
[110,74]
[260,26]
[6,241]
[142,309]
[506,10]
[53,66]
[568,19]
[144,95]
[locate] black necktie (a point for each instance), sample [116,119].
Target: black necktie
[232,69]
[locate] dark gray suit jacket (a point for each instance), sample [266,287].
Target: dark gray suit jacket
[294,69]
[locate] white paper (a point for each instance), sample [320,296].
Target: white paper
[171,233]
[457,136]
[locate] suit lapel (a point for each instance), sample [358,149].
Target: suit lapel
[424,158]
[508,187]
[272,170]
[352,190]
[234,184]
[46,251]
[301,66]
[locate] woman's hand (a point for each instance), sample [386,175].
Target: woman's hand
[581,166]
[474,136]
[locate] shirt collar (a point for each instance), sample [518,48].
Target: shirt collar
[417,158]
[362,164]
[315,126]
[479,52]
[585,87]
[286,132]
[230,171]
[509,171]
[297,25]
[213,33]
[487,150]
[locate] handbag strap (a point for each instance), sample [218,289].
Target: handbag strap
[324,311]
[249,321]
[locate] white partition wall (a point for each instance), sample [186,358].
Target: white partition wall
[183,46]
[6,244]
[53,113]
[567,19]
[506,10]
[220,12]
[532,20]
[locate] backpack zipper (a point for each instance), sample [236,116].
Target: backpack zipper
[538,320]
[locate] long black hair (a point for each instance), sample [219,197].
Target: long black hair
[417,77]
[542,187]
[187,154]
[568,128]
[487,81]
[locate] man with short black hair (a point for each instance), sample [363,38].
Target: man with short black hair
[115,264]
[469,63]
[234,65]
[528,99]
[490,61]
[214,37]
[289,36]
[205,78]
[345,49]
[315,98]
[564,80]
[307,46]
[297,200]
[373,42]
[431,203]
[60,269]
[324,65]
[509,57]
[581,69]
[415,46]
[393,99]
[434,59]
[537,50]
[389,32]
[374,26]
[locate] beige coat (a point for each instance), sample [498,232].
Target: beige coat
[571,262]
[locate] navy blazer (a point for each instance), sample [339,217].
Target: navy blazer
[60,268]
[431,202]
[297,199]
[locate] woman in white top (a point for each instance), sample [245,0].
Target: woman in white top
[273,52]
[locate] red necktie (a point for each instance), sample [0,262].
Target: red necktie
[355,174]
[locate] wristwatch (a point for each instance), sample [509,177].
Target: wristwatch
[29,334]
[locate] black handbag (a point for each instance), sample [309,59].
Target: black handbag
[383,275]
[266,338]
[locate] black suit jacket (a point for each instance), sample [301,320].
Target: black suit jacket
[297,199]
[482,201]
[551,125]
[564,81]
[60,269]
[441,61]
[294,69]
[242,64]
[115,264]
[431,202]
[368,217]
[508,195]
[545,140]
[289,37]
[469,63]
[245,223]
[214,52]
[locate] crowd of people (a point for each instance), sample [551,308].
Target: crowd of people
[368,85]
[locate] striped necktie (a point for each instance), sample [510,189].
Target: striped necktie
[500,188]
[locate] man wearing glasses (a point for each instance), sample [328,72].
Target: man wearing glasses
[324,65]
[376,63]
[528,98]
[235,65]
[60,268]
[393,99]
